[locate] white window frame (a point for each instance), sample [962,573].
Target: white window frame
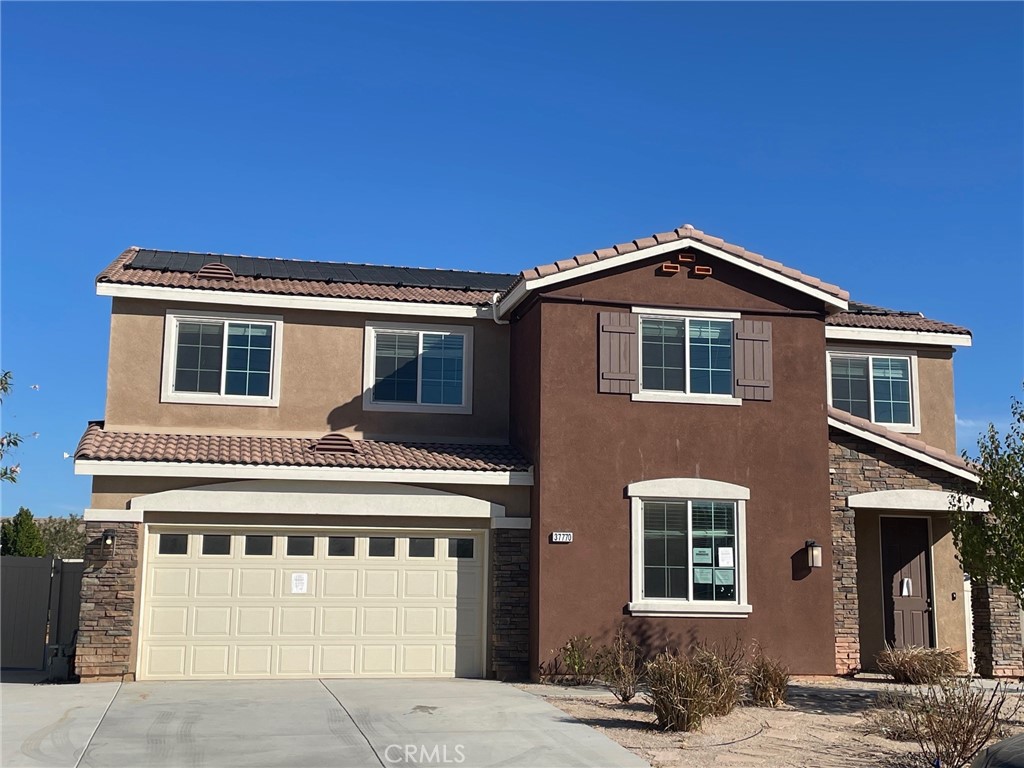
[914,427]
[370,362]
[666,396]
[171,321]
[684,489]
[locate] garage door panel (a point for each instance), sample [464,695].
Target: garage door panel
[254,582]
[169,582]
[168,621]
[295,659]
[350,614]
[212,621]
[421,584]
[213,582]
[380,583]
[254,620]
[254,660]
[340,583]
[338,621]
[337,659]
[298,620]
[210,660]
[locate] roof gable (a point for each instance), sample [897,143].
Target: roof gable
[687,236]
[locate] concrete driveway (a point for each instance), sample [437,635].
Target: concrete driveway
[336,723]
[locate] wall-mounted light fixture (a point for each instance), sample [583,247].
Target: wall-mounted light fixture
[813,553]
[109,537]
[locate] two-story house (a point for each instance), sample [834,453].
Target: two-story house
[309,468]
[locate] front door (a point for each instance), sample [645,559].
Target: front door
[906,582]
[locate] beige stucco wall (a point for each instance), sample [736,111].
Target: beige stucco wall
[934,387]
[116,492]
[950,618]
[321,380]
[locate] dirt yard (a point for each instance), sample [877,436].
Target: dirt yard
[821,727]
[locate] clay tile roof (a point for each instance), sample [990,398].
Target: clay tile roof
[289,277]
[896,437]
[868,316]
[686,231]
[98,444]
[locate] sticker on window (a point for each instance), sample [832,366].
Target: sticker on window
[725,557]
[701,575]
[702,555]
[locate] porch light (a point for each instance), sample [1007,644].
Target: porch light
[813,553]
[109,536]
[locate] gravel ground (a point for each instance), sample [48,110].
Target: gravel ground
[821,727]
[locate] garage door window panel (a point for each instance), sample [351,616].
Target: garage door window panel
[259,546]
[301,546]
[173,544]
[421,547]
[461,549]
[341,546]
[381,546]
[216,544]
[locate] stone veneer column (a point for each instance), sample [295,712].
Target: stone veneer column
[510,603]
[106,619]
[997,632]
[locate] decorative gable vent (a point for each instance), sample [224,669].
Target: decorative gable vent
[333,442]
[216,271]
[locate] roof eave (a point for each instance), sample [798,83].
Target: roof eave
[524,286]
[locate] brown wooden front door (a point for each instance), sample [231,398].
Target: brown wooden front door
[906,582]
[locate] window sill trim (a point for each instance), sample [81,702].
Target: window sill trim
[679,397]
[369,405]
[209,399]
[686,609]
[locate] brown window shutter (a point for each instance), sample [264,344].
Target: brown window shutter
[752,359]
[619,352]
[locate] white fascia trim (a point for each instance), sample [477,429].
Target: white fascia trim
[520,523]
[112,516]
[323,303]
[898,337]
[686,313]
[911,499]
[688,609]
[687,488]
[318,498]
[519,292]
[924,458]
[341,474]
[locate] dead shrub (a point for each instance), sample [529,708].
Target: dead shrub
[621,666]
[723,667]
[679,692]
[767,678]
[953,720]
[918,666]
[888,718]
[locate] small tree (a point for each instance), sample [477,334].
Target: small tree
[9,440]
[64,537]
[20,536]
[990,543]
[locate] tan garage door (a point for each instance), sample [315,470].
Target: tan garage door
[300,603]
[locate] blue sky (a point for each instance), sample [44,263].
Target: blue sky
[874,145]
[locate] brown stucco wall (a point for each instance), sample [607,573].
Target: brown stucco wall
[860,466]
[593,445]
[934,385]
[321,380]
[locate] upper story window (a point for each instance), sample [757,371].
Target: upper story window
[877,387]
[221,359]
[413,367]
[686,358]
[689,547]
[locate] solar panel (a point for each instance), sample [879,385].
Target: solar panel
[287,269]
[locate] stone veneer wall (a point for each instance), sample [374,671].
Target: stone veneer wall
[997,632]
[860,466]
[107,614]
[510,603]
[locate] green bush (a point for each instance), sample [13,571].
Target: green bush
[578,656]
